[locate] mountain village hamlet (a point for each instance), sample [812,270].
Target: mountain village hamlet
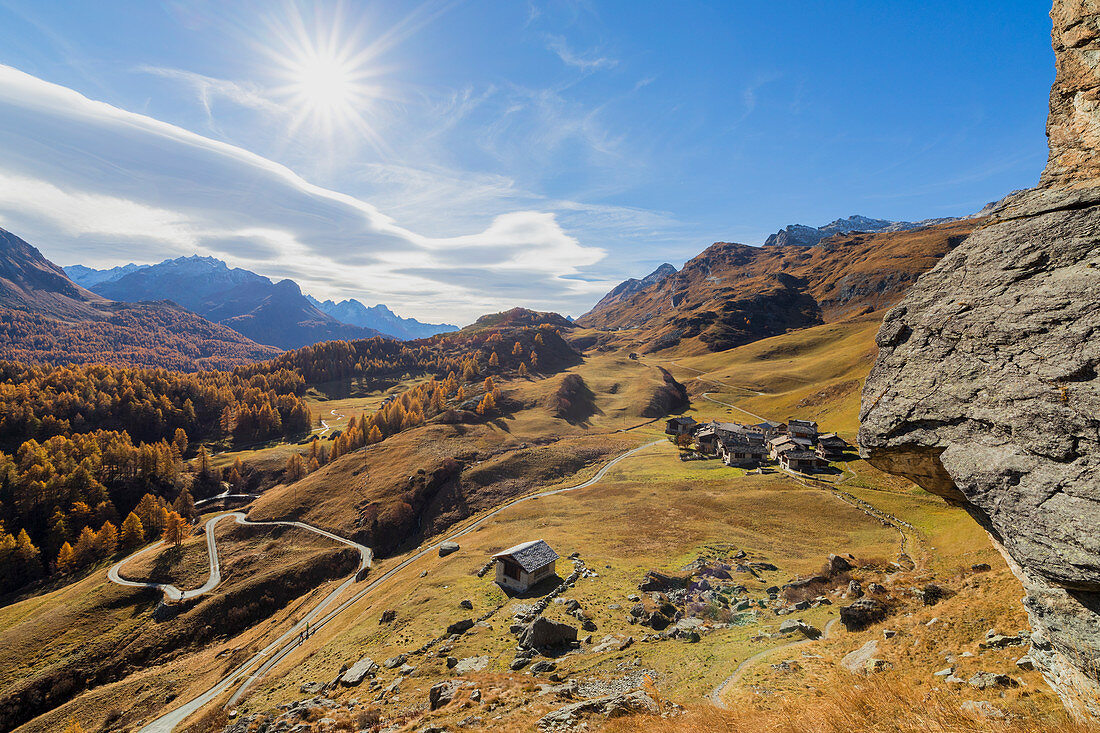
[845,479]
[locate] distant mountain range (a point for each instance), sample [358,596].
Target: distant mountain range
[625,289]
[265,311]
[732,294]
[380,318]
[46,317]
[800,235]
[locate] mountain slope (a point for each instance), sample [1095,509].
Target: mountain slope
[46,317]
[732,294]
[380,318]
[805,236]
[270,313]
[625,289]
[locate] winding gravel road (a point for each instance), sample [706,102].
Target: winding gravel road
[278,649]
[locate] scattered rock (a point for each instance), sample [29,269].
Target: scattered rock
[467,604]
[393,662]
[855,590]
[838,565]
[889,633]
[441,694]
[471,664]
[981,567]
[944,672]
[878,665]
[792,626]
[1026,663]
[990,680]
[448,548]
[856,661]
[543,666]
[461,627]
[655,581]
[359,671]
[519,663]
[569,717]
[311,688]
[542,633]
[1000,641]
[387,617]
[862,613]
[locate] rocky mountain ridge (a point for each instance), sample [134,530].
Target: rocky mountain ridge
[732,294]
[46,317]
[271,313]
[380,318]
[800,235]
[986,392]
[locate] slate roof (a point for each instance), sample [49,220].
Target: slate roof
[530,555]
[800,455]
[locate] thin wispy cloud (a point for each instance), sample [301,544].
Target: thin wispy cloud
[586,62]
[83,173]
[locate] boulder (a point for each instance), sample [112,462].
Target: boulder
[1000,641]
[471,664]
[862,613]
[798,626]
[568,718]
[655,581]
[838,564]
[394,662]
[855,590]
[311,688]
[931,594]
[543,666]
[461,627]
[467,604]
[986,387]
[359,671]
[991,680]
[856,661]
[542,633]
[387,617]
[441,694]
[448,548]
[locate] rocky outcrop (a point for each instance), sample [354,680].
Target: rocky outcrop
[985,390]
[1073,127]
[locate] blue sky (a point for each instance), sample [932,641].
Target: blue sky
[454,158]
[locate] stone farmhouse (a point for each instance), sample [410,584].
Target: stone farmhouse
[680,426]
[522,566]
[795,445]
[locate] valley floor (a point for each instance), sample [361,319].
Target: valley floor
[743,532]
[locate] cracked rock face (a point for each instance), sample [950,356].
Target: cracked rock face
[1074,123]
[985,390]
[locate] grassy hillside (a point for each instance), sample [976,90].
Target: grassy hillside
[734,294]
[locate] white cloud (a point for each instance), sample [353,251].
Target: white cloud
[585,62]
[87,179]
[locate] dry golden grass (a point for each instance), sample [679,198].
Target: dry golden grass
[878,705]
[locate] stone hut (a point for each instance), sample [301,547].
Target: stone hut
[522,566]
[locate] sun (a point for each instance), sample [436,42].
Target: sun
[328,77]
[325,85]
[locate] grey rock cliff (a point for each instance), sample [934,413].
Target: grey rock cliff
[985,390]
